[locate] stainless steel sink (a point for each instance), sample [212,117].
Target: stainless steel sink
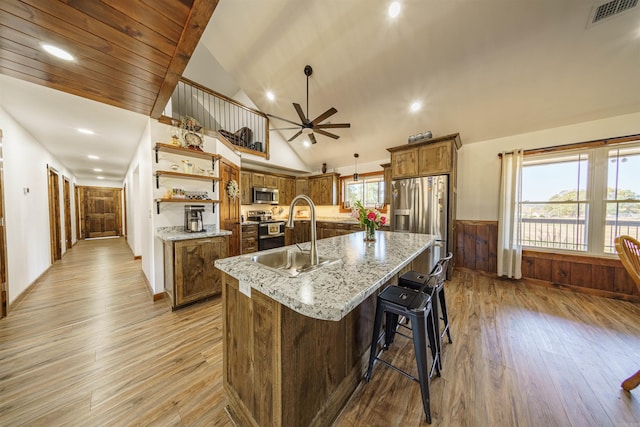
[291,262]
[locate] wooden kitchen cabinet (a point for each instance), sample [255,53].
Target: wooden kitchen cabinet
[302,186]
[270,181]
[431,157]
[387,183]
[249,238]
[301,231]
[246,188]
[189,272]
[323,189]
[286,187]
[289,236]
[258,180]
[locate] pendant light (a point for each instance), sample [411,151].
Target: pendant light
[355,171]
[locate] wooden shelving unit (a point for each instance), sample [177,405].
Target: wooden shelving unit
[172,149]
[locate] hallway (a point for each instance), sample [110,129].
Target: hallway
[89,347]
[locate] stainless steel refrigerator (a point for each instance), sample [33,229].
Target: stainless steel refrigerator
[420,205]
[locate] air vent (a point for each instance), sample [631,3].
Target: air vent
[612,8]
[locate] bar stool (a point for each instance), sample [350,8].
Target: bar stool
[415,305]
[412,280]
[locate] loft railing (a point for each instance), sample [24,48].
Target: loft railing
[247,129]
[570,233]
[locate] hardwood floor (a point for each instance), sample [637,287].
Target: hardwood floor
[88,347]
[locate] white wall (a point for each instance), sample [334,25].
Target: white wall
[479,165]
[141,185]
[27,215]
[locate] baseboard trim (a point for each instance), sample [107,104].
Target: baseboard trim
[137,257]
[560,286]
[158,296]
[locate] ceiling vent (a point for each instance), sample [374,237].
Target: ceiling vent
[611,8]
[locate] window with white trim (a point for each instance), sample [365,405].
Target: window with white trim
[581,200]
[368,189]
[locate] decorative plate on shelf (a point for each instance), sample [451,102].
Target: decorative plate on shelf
[193,140]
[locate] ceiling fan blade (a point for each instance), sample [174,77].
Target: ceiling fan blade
[330,135]
[285,128]
[332,125]
[294,136]
[300,112]
[284,120]
[330,112]
[312,138]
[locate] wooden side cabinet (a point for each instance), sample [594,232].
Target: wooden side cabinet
[431,157]
[435,158]
[189,272]
[246,188]
[404,164]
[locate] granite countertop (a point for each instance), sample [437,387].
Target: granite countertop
[178,233]
[331,292]
[249,223]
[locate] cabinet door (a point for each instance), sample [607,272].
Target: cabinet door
[195,275]
[404,163]
[301,231]
[322,190]
[246,191]
[288,236]
[270,181]
[249,239]
[258,180]
[286,187]
[435,158]
[302,186]
[387,185]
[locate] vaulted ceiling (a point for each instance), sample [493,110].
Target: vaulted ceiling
[486,69]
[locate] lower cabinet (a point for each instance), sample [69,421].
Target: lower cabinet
[189,274]
[249,238]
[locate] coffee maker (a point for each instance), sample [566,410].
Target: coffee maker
[193,218]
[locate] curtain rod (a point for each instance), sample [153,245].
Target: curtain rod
[586,144]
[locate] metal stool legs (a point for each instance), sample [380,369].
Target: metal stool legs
[445,316]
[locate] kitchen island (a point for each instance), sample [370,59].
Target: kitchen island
[296,348]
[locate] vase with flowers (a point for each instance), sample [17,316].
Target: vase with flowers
[370,219]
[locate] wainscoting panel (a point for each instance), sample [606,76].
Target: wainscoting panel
[476,249]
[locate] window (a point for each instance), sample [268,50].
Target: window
[369,189]
[581,200]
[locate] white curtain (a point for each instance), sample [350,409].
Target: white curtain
[509,248]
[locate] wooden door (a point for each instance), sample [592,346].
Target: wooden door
[54,215]
[102,212]
[67,213]
[4,297]
[230,208]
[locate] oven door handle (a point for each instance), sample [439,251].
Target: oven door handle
[270,236]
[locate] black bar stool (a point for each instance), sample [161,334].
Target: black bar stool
[415,280]
[415,305]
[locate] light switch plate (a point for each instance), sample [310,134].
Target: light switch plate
[245,289]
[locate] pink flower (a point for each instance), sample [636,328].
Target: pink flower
[383,220]
[355,214]
[371,216]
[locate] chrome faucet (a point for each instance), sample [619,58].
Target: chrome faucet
[312,207]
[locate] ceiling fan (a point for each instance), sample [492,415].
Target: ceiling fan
[309,127]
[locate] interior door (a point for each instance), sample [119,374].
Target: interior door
[102,212]
[230,208]
[67,213]
[54,215]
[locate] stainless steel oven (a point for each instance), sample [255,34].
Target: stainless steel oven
[270,235]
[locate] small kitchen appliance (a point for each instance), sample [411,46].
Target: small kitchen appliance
[193,218]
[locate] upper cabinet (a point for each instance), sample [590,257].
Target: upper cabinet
[387,183]
[246,188]
[432,157]
[323,189]
[286,188]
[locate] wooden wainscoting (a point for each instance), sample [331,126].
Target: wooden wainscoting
[476,249]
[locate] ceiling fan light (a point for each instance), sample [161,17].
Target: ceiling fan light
[394,9]
[307,131]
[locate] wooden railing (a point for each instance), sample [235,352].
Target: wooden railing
[246,129]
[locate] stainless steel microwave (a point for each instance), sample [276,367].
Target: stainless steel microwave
[265,195]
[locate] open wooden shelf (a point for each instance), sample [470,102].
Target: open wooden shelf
[172,174]
[186,201]
[168,148]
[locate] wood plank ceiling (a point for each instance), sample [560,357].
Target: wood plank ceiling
[128,53]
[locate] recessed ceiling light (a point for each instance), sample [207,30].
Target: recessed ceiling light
[415,106]
[97,170]
[100,177]
[86,131]
[92,157]
[270,96]
[306,144]
[57,52]
[394,9]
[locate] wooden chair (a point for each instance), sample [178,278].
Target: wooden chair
[628,250]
